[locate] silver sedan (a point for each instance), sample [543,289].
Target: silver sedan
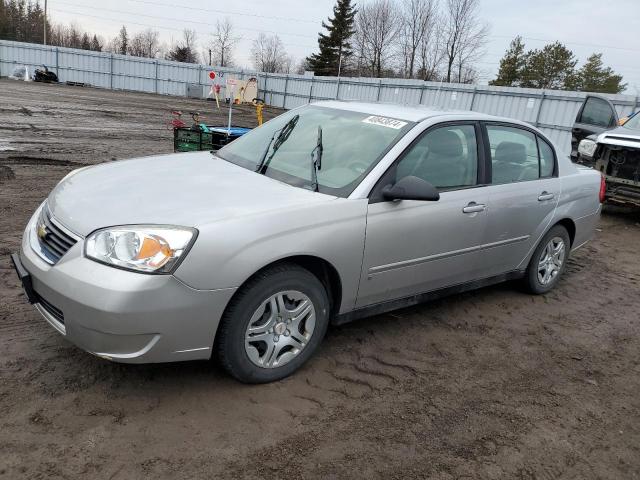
[328,213]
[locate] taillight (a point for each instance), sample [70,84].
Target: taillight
[603,188]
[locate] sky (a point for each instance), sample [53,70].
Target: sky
[585,26]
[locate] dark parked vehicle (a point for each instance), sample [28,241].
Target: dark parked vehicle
[596,115]
[616,153]
[44,75]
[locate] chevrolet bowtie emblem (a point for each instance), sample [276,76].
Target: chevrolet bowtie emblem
[42,232]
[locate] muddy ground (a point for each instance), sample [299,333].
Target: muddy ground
[489,384]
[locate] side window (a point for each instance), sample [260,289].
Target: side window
[447,157]
[547,159]
[597,112]
[514,154]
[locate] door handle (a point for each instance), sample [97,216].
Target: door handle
[474,207]
[544,196]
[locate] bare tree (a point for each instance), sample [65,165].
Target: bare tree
[464,35]
[465,70]
[73,36]
[431,53]
[136,47]
[150,40]
[417,21]
[269,54]
[377,26]
[289,65]
[223,42]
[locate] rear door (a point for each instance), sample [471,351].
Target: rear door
[596,115]
[523,194]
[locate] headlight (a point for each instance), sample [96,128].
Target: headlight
[140,248]
[587,147]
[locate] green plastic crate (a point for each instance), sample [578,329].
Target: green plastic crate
[189,140]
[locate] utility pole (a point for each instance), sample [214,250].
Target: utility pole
[209,57]
[45,22]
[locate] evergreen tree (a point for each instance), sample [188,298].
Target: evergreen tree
[552,67]
[595,77]
[3,20]
[512,65]
[123,41]
[96,46]
[35,22]
[334,45]
[85,43]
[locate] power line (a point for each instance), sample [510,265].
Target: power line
[591,45]
[225,12]
[157,17]
[175,29]
[619,69]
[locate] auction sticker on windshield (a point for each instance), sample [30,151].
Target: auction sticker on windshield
[385,122]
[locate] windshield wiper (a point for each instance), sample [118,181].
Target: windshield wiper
[282,136]
[316,160]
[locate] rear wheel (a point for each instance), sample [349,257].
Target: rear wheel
[548,261]
[273,324]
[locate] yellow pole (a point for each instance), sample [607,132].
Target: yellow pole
[259,108]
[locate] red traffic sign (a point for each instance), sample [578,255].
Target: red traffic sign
[212,75]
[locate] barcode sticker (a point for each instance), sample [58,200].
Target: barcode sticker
[385,122]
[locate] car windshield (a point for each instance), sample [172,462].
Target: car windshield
[353,143]
[634,122]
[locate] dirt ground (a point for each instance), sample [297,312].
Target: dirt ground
[489,384]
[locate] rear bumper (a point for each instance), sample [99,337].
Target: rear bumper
[120,315]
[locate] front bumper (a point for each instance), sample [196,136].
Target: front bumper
[622,191]
[121,315]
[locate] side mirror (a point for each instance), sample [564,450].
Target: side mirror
[411,188]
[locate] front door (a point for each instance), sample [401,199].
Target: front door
[595,116]
[413,247]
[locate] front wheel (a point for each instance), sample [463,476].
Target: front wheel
[273,324]
[548,261]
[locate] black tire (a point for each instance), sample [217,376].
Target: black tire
[230,340]
[532,282]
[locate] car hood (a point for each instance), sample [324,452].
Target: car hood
[620,136]
[187,189]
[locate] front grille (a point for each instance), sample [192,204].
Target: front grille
[54,242]
[622,163]
[52,310]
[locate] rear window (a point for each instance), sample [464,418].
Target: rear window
[518,155]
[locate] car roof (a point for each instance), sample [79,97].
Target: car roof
[411,113]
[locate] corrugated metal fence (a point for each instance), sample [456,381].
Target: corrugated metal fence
[551,110]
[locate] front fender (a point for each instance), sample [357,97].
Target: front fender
[228,252]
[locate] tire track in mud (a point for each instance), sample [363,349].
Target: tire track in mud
[39,161]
